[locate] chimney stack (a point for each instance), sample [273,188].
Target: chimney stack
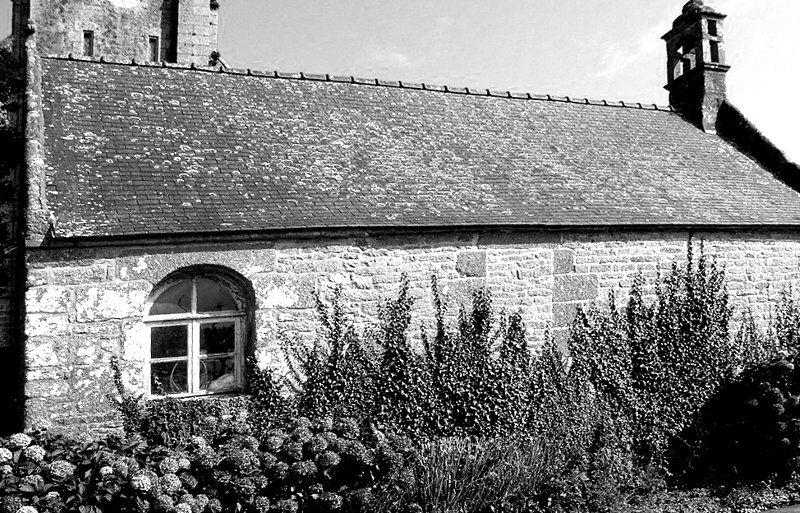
[696,64]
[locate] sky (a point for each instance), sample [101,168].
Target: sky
[600,49]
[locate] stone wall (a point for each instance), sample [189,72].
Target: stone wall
[86,304]
[187,29]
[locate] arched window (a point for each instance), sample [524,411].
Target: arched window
[196,326]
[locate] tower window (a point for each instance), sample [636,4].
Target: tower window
[714,47]
[712,28]
[154,48]
[88,43]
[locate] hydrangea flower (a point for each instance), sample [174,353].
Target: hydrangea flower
[33,480]
[301,435]
[356,452]
[328,459]
[202,500]
[198,441]
[5,454]
[241,461]
[184,464]
[317,444]
[61,469]
[214,505]
[280,470]
[19,441]
[182,508]
[169,465]
[346,428]
[52,496]
[141,482]
[303,469]
[106,471]
[331,501]
[27,509]
[294,450]
[171,483]
[188,480]
[274,443]
[34,453]
[6,470]
[261,504]
[287,506]
[207,458]
[268,459]
[164,503]
[323,424]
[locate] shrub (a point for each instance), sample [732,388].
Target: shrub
[657,364]
[479,374]
[750,431]
[336,376]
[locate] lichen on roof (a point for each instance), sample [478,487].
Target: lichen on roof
[144,150]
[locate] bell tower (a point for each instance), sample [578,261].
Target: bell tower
[696,64]
[180,31]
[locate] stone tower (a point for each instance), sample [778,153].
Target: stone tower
[696,64]
[181,31]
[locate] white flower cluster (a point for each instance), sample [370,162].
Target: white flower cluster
[5,454]
[106,471]
[182,508]
[19,441]
[141,482]
[34,453]
[61,469]
[171,483]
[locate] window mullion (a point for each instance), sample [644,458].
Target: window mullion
[194,359]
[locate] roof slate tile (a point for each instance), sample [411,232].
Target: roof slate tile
[141,150]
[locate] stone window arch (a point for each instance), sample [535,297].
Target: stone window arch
[198,321]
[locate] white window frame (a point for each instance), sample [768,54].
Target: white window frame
[193,320]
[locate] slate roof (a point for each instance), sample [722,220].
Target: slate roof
[144,150]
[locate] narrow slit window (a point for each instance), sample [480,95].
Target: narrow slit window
[88,43]
[155,49]
[712,28]
[714,47]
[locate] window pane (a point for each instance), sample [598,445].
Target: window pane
[212,297]
[217,337]
[176,299]
[218,374]
[168,341]
[169,377]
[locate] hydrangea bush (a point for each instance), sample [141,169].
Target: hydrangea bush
[320,466]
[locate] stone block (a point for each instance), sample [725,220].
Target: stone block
[80,275]
[48,299]
[574,287]
[111,301]
[46,325]
[156,267]
[471,264]
[563,261]
[285,290]
[564,314]
[458,293]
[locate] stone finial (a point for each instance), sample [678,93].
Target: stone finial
[693,6]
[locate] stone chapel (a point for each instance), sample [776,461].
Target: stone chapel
[180,214]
